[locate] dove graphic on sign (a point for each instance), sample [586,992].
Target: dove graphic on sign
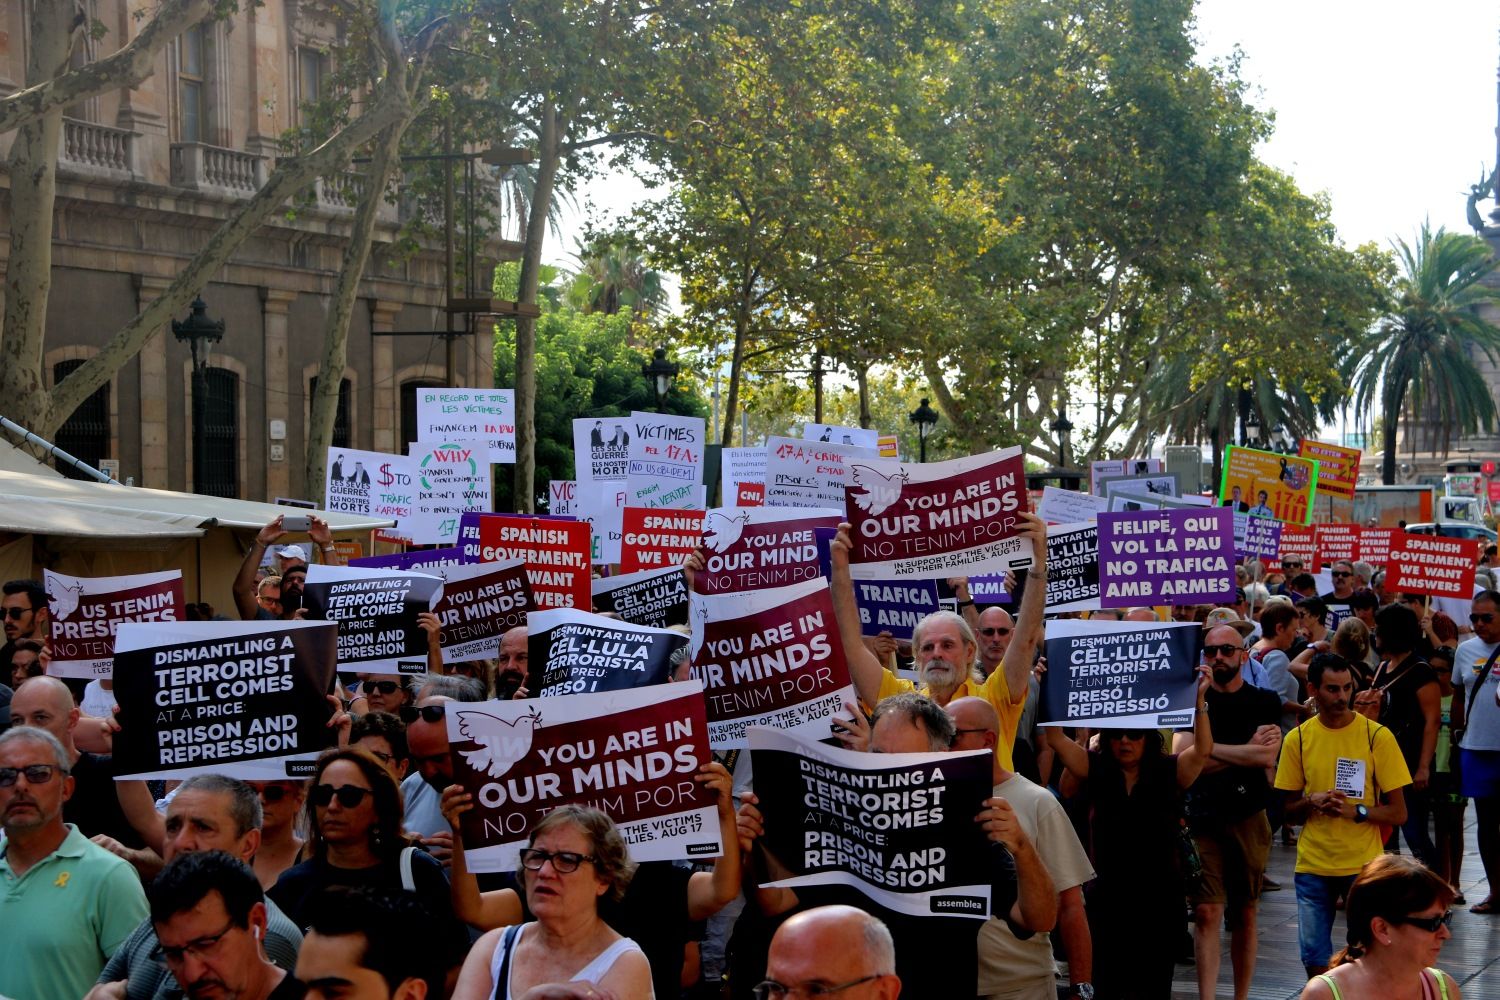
[879,491]
[721,531]
[60,606]
[502,741]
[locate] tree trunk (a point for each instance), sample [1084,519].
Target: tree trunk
[33,188]
[737,365]
[1388,434]
[862,377]
[325,401]
[549,156]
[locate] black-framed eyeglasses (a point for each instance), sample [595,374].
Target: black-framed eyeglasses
[563,862]
[1428,924]
[427,713]
[36,774]
[14,614]
[200,947]
[349,796]
[384,687]
[1225,650]
[1483,617]
[995,630]
[772,990]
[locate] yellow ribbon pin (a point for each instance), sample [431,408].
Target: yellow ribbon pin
[62,880]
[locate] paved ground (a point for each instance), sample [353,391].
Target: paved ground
[1472,957]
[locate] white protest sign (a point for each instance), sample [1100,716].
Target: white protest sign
[858,437]
[601,449]
[487,415]
[809,473]
[371,483]
[666,461]
[1060,506]
[743,477]
[452,477]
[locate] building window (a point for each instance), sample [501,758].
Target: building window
[309,76]
[341,415]
[85,434]
[191,85]
[221,435]
[409,409]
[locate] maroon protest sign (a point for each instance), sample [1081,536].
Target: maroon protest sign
[1425,564]
[556,554]
[771,658]
[1335,542]
[480,602]
[938,520]
[754,548]
[655,538]
[85,613]
[632,754]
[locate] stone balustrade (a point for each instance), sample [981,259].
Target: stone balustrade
[99,150]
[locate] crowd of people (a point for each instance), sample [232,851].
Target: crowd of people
[1354,723]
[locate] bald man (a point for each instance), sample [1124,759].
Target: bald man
[510,668]
[1141,615]
[996,626]
[833,949]
[1011,968]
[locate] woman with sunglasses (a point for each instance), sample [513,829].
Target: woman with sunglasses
[575,857]
[1398,920]
[382,693]
[280,847]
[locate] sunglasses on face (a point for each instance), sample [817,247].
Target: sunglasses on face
[1339,572]
[273,793]
[1226,650]
[36,774]
[427,713]
[1428,924]
[563,862]
[14,614]
[1127,734]
[1484,617]
[384,687]
[1292,565]
[349,796]
[995,630]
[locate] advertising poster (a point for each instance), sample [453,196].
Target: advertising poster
[556,554]
[742,477]
[1338,468]
[1072,568]
[655,597]
[858,437]
[937,520]
[810,473]
[371,483]
[582,653]
[1166,557]
[480,602]
[452,478]
[769,658]
[755,548]
[485,415]
[1060,506]
[1120,467]
[246,700]
[632,754]
[601,449]
[1426,564]
[1265,484]
[86,611]
[1121,675]
[897,827]
[666,461]
[376,611]
[651,539]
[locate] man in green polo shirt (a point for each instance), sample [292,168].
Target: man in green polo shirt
[65,903]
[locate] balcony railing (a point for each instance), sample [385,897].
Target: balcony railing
[203,167]
[101,150]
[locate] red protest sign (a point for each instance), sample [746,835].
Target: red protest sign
[556,554]
[1338,468]
[1375,545]
[652,538]
[1335,542]
[750,494]
[1298,543]
[1425,564]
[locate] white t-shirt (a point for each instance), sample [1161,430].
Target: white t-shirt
[1482,732]
[97,702]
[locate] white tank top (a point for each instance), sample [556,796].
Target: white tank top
[593,972]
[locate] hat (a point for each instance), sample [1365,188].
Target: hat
[1227,616]
[292,552]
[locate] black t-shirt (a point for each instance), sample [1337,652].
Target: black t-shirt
[290,988]
[94,807]
[1400,709]
[1232,794]
[1132,836]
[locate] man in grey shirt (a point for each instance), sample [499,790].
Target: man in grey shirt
[1476,664]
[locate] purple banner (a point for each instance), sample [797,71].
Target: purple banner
[1166,557]
[1257,536]
[989,589]
[422,559]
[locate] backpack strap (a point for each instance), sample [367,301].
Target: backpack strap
[408,880]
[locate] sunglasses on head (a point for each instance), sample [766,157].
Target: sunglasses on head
[349,796]
[1227,649]
[995,630]
[427,713]
[1428,924]
[36,774]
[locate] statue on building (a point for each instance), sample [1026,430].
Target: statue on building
[1482,191]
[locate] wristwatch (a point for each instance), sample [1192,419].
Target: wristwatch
[1083,991]
[1361,813]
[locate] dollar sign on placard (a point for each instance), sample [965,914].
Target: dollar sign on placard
[386,478]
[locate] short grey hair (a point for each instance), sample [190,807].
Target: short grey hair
[922,711]
[455,686]
[964,631]
[244,801]
[35,735]
[880,948]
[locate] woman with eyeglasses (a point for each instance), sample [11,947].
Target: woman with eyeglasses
[1398,920]
[575,857]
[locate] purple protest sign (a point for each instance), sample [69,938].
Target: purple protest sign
[417,561]
[1166,557]
[1257,536]
[989,589]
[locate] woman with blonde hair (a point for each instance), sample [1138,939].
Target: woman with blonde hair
[1352,641]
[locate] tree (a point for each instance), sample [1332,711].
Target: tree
[613,275]
[1423,351]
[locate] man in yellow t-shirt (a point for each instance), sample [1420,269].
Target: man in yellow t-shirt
[1343,776]
[944,646]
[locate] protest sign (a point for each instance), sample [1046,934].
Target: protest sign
[897,827]
[1375,545]
[889,446]
[479,603]
[452,478]
[656,597]
[939,519]
[1166,557]
[1338,468]
[1121,675]
[483,415]
[742,477]
[1427,564]
[753,548]
[556,554]
[1119,467]
[1298,543]
[581,653]
[601,449]
[241,699]
[666,461]
[1335,542]
[84,613]
[632,754]
[421,560]
[1258,537]
[1072,568]
[651,539]
[809,473]
[1147,487]
[1125,501]
[370,483]
[561,495]
[859,437]
[1061,506]
[602,507]
[989,588]
[1265,484]
[890,606]
[771,657]
[376,610]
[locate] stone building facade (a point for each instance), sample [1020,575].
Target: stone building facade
[144,177]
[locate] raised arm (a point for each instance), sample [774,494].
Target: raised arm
[864,668]
[1022,650]
[484,910]
[1190,760]
[244,580]
[710,892]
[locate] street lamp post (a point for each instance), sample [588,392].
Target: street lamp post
[1063,428]
[196,329]
[660,373]
[925,417]
[1252,429]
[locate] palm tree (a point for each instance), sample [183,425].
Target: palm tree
[614,276]
[1422,355]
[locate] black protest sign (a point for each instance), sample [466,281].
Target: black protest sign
[243,699]
[656,598]
[582,653]
[1072,567]
[377,614]
[480,603]
[1121,675]
[897,827]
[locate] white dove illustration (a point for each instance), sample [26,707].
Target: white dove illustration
[721,531]
[60,606]
[879,491]
[504,741]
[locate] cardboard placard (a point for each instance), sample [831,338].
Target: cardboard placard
[1266,484]
[651,539]
[556,554]
[601,449]
[810,473]
[485,415]
[1072,567]
[371,483]
[666,461]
